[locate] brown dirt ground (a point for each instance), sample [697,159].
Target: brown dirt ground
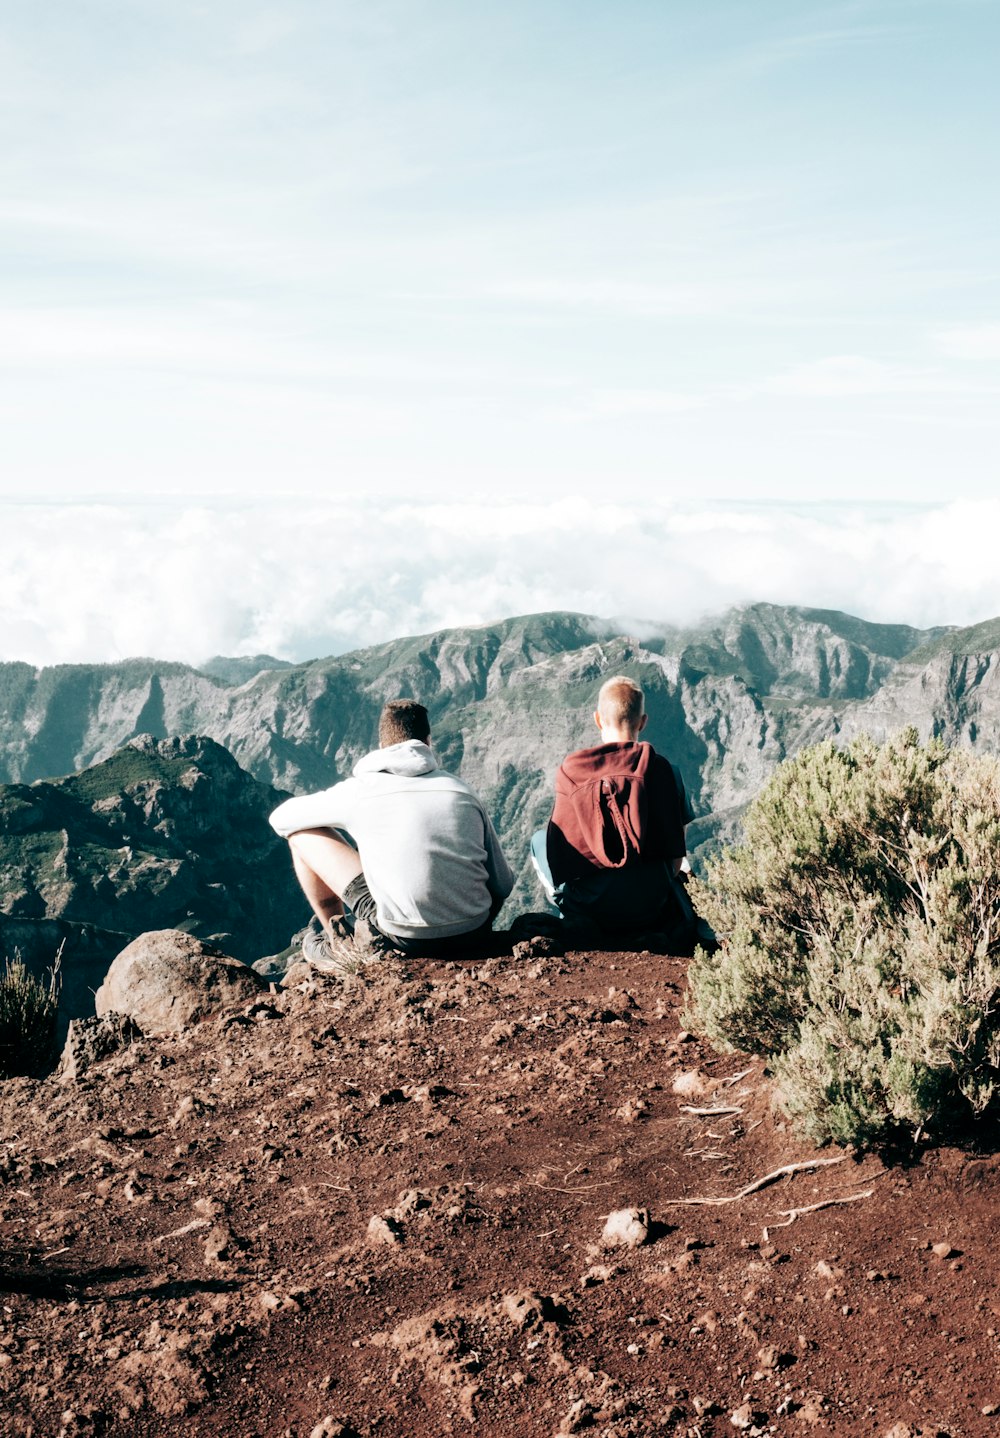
[188,1247]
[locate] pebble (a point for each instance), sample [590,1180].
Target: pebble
[329,1428]
[527,1309]
[217,1244]
[580,1415]
[383,1229]
[944,1250]
[827,1270]
[690,1084]
[626,1227]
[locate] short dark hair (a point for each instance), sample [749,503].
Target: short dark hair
[403,719]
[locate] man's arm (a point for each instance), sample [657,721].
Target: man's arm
[329,809]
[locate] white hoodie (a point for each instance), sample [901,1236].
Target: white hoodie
[430,855]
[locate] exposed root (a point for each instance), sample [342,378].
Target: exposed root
[757,1184]
[586,1188]
[791,1214]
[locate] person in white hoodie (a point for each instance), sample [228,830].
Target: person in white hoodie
[407,847]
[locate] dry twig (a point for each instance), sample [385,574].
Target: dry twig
[718,1112]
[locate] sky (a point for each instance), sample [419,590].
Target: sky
[332,320]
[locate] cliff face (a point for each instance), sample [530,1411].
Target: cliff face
[728,700]
[163,834]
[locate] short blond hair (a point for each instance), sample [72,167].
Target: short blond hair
[621,702]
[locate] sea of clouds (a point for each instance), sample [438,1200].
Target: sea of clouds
[302,577]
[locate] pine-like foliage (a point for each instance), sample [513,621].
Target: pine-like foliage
[27,1019]
[862,915]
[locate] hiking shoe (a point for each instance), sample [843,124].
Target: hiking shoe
[331,952]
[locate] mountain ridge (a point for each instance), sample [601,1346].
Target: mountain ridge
[728,699]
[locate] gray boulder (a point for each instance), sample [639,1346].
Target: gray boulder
[167,980]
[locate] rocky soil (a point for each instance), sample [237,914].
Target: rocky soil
[512,1200]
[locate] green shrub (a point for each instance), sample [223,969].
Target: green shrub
[27,1019]
[862,915]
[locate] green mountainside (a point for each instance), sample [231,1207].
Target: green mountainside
[168,834]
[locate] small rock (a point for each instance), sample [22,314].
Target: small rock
[690,1084]
[827,1270]
[330,1428]
[581,1415]
[297,973]
[383,1229]
[540,946]
[741,1417]
[944,1250]
[92,1039]
[626,1227]
[388,1097]
[990,1410]
[899,1430]
[632,1109]
[528,1308]
[412,1200]
[600,1273]
[217,1244]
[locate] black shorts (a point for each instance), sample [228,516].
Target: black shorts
[358,898]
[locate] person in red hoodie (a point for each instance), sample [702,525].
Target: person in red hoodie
[614,847]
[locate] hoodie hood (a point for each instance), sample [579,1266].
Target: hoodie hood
[411,758]
[586,765]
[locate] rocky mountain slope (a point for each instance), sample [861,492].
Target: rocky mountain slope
[728,701]
[163,834]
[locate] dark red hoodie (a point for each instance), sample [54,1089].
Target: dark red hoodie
[616,805]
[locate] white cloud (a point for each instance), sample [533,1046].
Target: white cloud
[838,376]
[616,402]
[88,582]
[972,342]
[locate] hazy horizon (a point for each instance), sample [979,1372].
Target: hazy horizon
[98,581]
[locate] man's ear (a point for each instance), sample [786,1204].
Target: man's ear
[597,719]
[642,723]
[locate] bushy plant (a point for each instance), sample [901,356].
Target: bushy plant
[862,923]
[27,1018]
